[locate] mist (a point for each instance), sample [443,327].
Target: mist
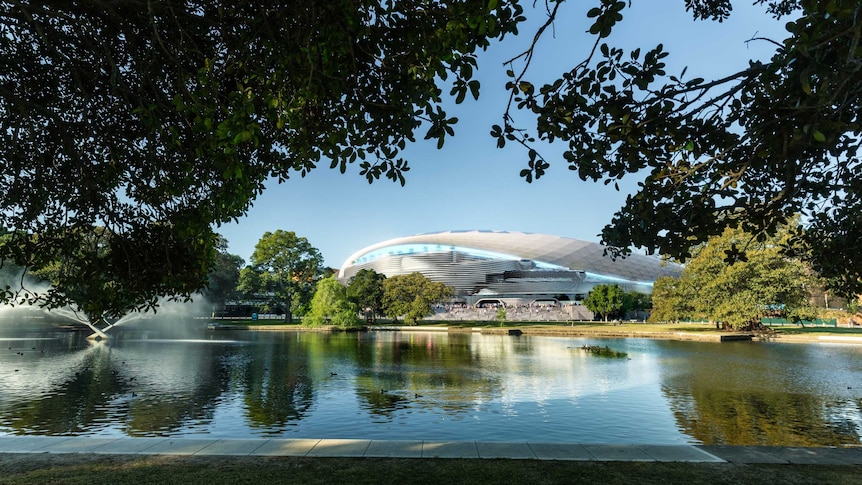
[177,317]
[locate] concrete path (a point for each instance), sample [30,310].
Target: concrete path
[429,449]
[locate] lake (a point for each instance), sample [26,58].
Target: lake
[188,381]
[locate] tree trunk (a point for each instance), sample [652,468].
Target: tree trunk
[288,314]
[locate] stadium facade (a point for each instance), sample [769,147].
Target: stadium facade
[508,266]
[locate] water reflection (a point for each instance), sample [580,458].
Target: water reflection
[68,385]
[274,382]
[764,394]
[420,370]
[393,385]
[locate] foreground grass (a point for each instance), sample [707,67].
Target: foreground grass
[88,469]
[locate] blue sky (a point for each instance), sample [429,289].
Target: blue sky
[470,184]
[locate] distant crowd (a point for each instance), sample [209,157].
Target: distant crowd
[523,312]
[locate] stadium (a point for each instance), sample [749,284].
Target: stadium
[510,267]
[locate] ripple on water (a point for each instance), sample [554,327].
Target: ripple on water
[435,387]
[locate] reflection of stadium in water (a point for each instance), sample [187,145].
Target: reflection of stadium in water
[508,265]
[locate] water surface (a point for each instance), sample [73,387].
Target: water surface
[427,385]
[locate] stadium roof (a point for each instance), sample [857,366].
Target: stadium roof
[574,254]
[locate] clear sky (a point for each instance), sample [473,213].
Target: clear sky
[471,184]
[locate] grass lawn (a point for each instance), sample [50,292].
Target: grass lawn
[88,469]
[586,327]
[794,330]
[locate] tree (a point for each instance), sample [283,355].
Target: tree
[97,279]
[411,296]
[171,123]
[287,266]
[250,282]
[330,306]
[500,317]
[763,283]
[749,150]
[603,300]
[300,301]
[634,301]
[224,276]
[671,300]
[365,288]
[158,121]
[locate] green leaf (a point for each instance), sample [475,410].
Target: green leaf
[461,95]
[474,88]
[806,85]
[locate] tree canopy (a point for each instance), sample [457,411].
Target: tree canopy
[365,288]
[224,276]
[671,300]
[411,296]
[330,306]
[763,283]
[284,265]
[604,300]
[157,121]
[751,149]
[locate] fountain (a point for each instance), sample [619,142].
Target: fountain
[27,293]
[101,326]
[99,332]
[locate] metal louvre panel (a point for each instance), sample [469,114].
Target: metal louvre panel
[469,274]
[463,276]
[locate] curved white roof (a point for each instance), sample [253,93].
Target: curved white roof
[570,253]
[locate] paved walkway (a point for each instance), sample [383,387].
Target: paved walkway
[429,449]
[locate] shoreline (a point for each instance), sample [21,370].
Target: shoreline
[602,331]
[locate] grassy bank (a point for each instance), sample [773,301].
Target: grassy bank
[794,330]
[87,469]
[483,324]
[596,329]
